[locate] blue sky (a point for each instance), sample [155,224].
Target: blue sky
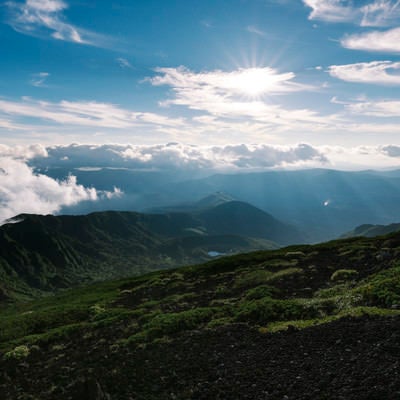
[192,85]
[209,72]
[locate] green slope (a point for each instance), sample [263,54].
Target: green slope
[48,252]
[369,230]
[308,284]
[107,331]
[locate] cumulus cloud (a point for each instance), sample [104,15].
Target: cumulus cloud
[375,72]
[375,41]
[175,156]
[190,160]
[45,18]
[23,152]
[24,191]
[391,150]
[372,13]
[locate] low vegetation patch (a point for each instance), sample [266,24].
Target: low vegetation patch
[299,286]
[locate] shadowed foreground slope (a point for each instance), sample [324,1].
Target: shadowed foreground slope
[306,322]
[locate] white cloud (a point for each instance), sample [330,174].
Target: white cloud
[44,18]
[203,160]
[236,103]
[224,158]
[375,72]
[38,80]
[23,152]
[24,191]
[255,30]
[238,94]
[391,150]
[243,81]
[375,41]
[331,10]
[84,113]
[373,13]
[380,13]
[174,156]
[375,108]
[124,63]
[377,13]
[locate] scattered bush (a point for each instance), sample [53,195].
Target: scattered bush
[171,323]
[383,289]
[267,310]
[260,291]
[344,275]
[18,353]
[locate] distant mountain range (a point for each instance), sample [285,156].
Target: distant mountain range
[368,230]
[49,252]
[321,202]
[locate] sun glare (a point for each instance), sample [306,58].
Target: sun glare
[254,82]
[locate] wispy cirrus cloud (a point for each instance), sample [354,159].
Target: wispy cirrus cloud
[45,18]
[124,63]
[83,113]
[255,30]
[377,13]
[380,13]
[330,10]
[375,72]
[368,14]
[375,41]
[386,108]
[39,79]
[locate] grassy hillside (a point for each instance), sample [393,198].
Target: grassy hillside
[369,230]
[138,334]
[51,252]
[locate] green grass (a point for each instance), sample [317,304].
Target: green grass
[259,289]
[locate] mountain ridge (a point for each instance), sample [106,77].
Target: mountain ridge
[50,252]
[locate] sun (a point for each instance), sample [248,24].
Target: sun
[255,82]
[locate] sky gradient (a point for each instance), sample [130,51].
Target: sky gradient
[199,86]
[210,72]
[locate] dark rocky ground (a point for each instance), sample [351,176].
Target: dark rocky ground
[349,359]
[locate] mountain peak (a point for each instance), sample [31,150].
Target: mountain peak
[214,200]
